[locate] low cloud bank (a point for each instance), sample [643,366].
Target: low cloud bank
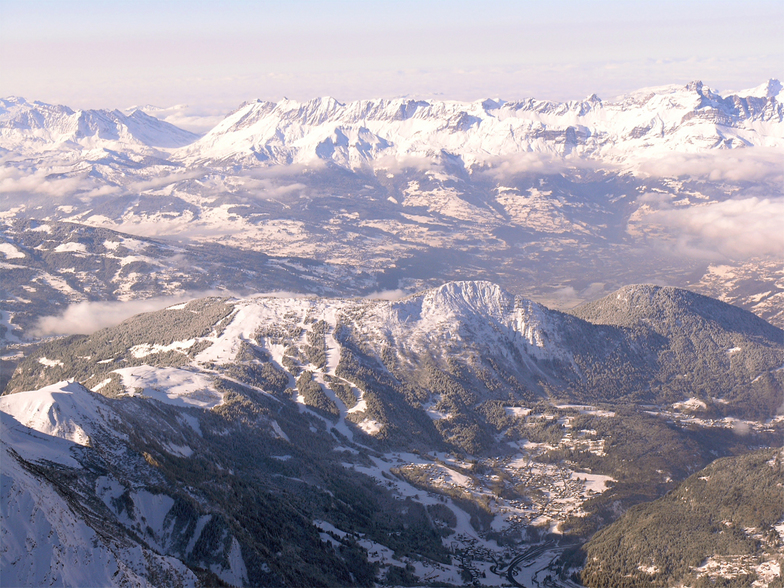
[569,296]
[387,295]
[755,164]
[84,318]
[283,294]
[48,181]
[523,163]
[736,229]
[16,180]
[396,164]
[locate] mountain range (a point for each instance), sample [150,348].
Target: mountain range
[642,124]
[404,195]
[395,342]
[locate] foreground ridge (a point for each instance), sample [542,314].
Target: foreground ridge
[458,435]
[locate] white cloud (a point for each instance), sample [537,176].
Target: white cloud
[14,180]
[737,228]
[569,296]
[285,171]
[395,165]
[387,295]
[267,189]
[740,428]
[282,294]
[758,164]
[522,163]
[163,180]
[508,166]
[87,317]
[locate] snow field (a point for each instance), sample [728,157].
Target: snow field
[11,252]
[65,410]
[45,543]
[178,387]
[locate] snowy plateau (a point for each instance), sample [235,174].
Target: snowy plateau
[395,342]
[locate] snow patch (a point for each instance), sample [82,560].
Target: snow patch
[278,431]
[689,404]
[517,411]
[174,386]
[101,385]
[71,247]
[370,426]
[593,482]
[10,251]
[237,573]
[178,450]
[50,362]
[146,349]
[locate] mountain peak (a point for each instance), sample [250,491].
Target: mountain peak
[13,101]
[663,307]
[769,89]
[60,410]
[40,126]
[477,295]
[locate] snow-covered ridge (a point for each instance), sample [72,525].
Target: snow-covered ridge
[651,121]
[66,410]
[37,126]
[441,320]
[688,118]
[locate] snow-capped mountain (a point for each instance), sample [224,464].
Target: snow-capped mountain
[28,128]
[646,123]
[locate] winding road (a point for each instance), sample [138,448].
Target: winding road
[528,558]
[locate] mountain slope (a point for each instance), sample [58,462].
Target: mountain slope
[175,496]
[456,348]
[723,524]
[709,342]
[315,441]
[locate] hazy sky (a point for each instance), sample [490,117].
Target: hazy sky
[214,55]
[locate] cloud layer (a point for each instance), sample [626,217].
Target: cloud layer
[758,164]
[84,318]
[735,229]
